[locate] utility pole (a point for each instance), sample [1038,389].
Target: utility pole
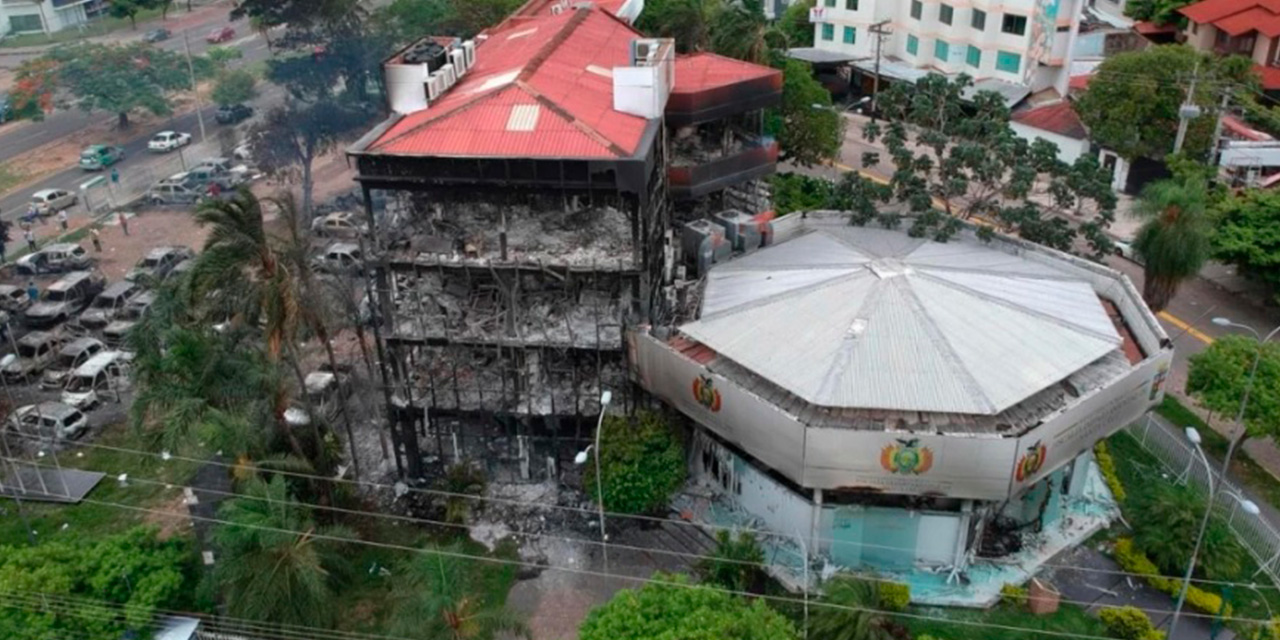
[1217,128]
[879,31]
[191,69]
[1188,111]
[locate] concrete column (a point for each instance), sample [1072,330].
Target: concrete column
[815,522]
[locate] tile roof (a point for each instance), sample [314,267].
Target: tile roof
[1080,82]
[1237,17]
[1058,117]
[1270,76]
[702,71]
[535,73]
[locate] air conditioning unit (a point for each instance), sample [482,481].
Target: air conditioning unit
[704,244]
[450,74]
[470,48]
[458,57]
[741,230]
[435,86]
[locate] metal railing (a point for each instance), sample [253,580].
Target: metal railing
[1179,459]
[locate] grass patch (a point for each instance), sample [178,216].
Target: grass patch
[942,623]
[93,29]
[67,522]
[10,177]
[1243,467]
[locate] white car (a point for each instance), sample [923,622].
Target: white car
[168,141]
[49,419]
[47,201]
[339,224]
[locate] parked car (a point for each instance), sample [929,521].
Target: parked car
[200,177]
[50,420]
[49,201]
[157,35]
[103,373]
[35,351]
[13,299]
[97,157]
[166,192]
[339,224]
[71,355]
[65,298]
[54,258]
[339,257]
[233,113]
[108,304]
[220,34]
[167,141]
[158,263]
[116,332]
[243,152]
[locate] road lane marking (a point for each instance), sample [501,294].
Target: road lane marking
[244,40]
[862,172]
[1190,330]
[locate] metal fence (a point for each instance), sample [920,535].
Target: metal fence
[1180,460]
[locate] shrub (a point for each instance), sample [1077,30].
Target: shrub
[1133,561]
[461,479]
[660,610]
[1129,623]
[1013,595]
[1107,465]
[894,596]
[642,461]
[1163,514]
[736,563]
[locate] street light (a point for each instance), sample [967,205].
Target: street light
[1226,460]
[581,459]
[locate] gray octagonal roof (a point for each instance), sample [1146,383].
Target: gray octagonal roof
[855,317]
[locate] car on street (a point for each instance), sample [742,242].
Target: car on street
[54,258]
[157,264]
[71,355]
[157,35]
[118,331]
[339,224]
[50,420]
[97,157]
[220,34]
[49,201]
[36,350]
[13,298]
[233,113]
[65,298]
[1125,250]
[108,304]
[167,141]
[166,192]
[103,374]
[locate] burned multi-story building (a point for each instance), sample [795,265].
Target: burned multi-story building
[530,173]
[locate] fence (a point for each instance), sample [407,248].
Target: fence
[1179,458]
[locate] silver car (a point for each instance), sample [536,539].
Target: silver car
[50,420]
[47,201]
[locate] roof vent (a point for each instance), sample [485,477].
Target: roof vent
[886,268]
[856,329]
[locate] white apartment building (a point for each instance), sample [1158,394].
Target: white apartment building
[1023,43]
[47,16]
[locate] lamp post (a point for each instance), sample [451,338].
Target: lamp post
[1226,460]
[581,458]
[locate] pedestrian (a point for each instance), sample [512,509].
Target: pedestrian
[31,214]
[31,239]
[32,291]
[115,176]
[124,222]
[97,241]
[62,219]
[215,190]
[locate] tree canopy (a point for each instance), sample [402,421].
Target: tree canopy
[808,127]
[1173,243]
[641,461]
[794,22]
[1131,105]
[1157,11]
[683,612]
[1218,375]
[234,87]
[131,8]
[1247,235]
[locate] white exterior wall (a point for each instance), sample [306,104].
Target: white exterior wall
[53,19]
[1069,149]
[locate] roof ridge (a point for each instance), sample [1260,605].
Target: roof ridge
[855,272]
[945,348]
[843,352]
[549,47]
[573,120]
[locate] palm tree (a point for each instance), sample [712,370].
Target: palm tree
[741,31]
[855,614]
[689,22]
[437,601]
[272,566]
[1173,243]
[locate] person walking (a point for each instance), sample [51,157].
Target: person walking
[62,219]
[31,239]
[97,241]
[124,222]
[33,291]
[115,176]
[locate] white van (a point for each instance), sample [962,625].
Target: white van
[104,375]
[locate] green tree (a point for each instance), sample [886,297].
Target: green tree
[234,87]
[1163,513]
[799,192]
[408,20]
[957,157]
[641,461]
[853,613]
[134,573]
[1247,235]
[1157,11]
[475,16]
[1217,378]
[1131,105]
[221,57]
[794,22]
[741,31]
[689,22]
[130,9]
[289,139]
[808,128]
[681,611]
[736,564]
[1174,242]
[438,596]
[274,564]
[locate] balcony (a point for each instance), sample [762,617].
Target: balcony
[714,158]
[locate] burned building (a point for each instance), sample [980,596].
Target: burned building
[533,170]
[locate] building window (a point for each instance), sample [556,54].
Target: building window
[27,23]
[828,32]
[973,57]
[946,13]
[1195,28]
[850,35]
[941,50]
[913,45]
[978,20]
[1017,25]
[1008,62]
[851,5]
[829,3]
[917,9]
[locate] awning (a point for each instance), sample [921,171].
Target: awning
[897,70]
[815,55]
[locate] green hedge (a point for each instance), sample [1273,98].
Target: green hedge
[1133,561]
[1107,465]
[1129,623]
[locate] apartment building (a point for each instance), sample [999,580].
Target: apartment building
[1248,28]
[47,16]
[1019,43]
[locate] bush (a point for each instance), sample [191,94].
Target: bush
[1013,595]
[464,479]
[666,611]
[1133,561]
[894,596]
[1129,623]
[798,192]
[737,563]
[1107,465]
[642,461]
[1163,514]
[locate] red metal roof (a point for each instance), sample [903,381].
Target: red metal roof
[1270,76]
[1080,82]
[1238,129]
[1148,28]
[541,87]
[1237,17]
[535,8]
[701,71]
[1057,117]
